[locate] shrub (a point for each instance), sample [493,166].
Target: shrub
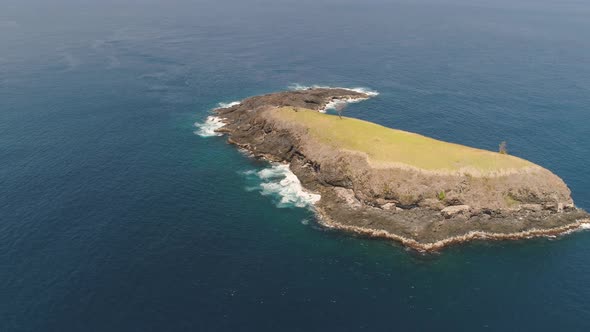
[502,148]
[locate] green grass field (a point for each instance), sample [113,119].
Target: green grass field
[385,145]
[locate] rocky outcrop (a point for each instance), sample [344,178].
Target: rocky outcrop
[403,201]
[455,210]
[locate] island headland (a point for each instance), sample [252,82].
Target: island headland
[387,183]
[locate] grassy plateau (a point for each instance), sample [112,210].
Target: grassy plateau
[386,146]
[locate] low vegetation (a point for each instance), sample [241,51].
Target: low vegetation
[385,145]
[502,148]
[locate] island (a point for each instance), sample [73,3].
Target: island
[386,183]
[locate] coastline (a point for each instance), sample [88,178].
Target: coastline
[324,220]
[349,203]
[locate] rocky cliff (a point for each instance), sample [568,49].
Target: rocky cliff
[422,208]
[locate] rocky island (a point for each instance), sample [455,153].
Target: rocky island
[392,184]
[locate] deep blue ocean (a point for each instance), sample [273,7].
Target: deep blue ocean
[115,215]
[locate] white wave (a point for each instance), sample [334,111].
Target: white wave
[336,102]
[274,172]
[278,180]
[369,92]
[207,128]
[227,105]
[585,225]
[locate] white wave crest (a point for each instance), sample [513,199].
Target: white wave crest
[207,128]
[337,102]
[369,92]
[278,180]
[585,225]
[227,105]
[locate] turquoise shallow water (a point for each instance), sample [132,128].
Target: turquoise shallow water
[116,216]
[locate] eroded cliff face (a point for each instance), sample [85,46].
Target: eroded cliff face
[253,124]
[399,200]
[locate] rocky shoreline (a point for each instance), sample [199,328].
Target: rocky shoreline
[327,222]
[357,197]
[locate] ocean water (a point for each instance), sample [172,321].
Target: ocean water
[120,212]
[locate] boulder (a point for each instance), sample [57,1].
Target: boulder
[451,211]
[388,206]
[559,207]
[348,196]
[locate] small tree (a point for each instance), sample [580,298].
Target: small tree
[339,107]
[502,148]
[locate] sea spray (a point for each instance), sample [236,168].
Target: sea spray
[209,127]
[369,92]
[227,105]
[212,123]
[278,181]
[333,104]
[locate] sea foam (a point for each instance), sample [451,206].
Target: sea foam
[336,102]
[212,123]
[226,105]
[207,128]
[280,182]
[369,92]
